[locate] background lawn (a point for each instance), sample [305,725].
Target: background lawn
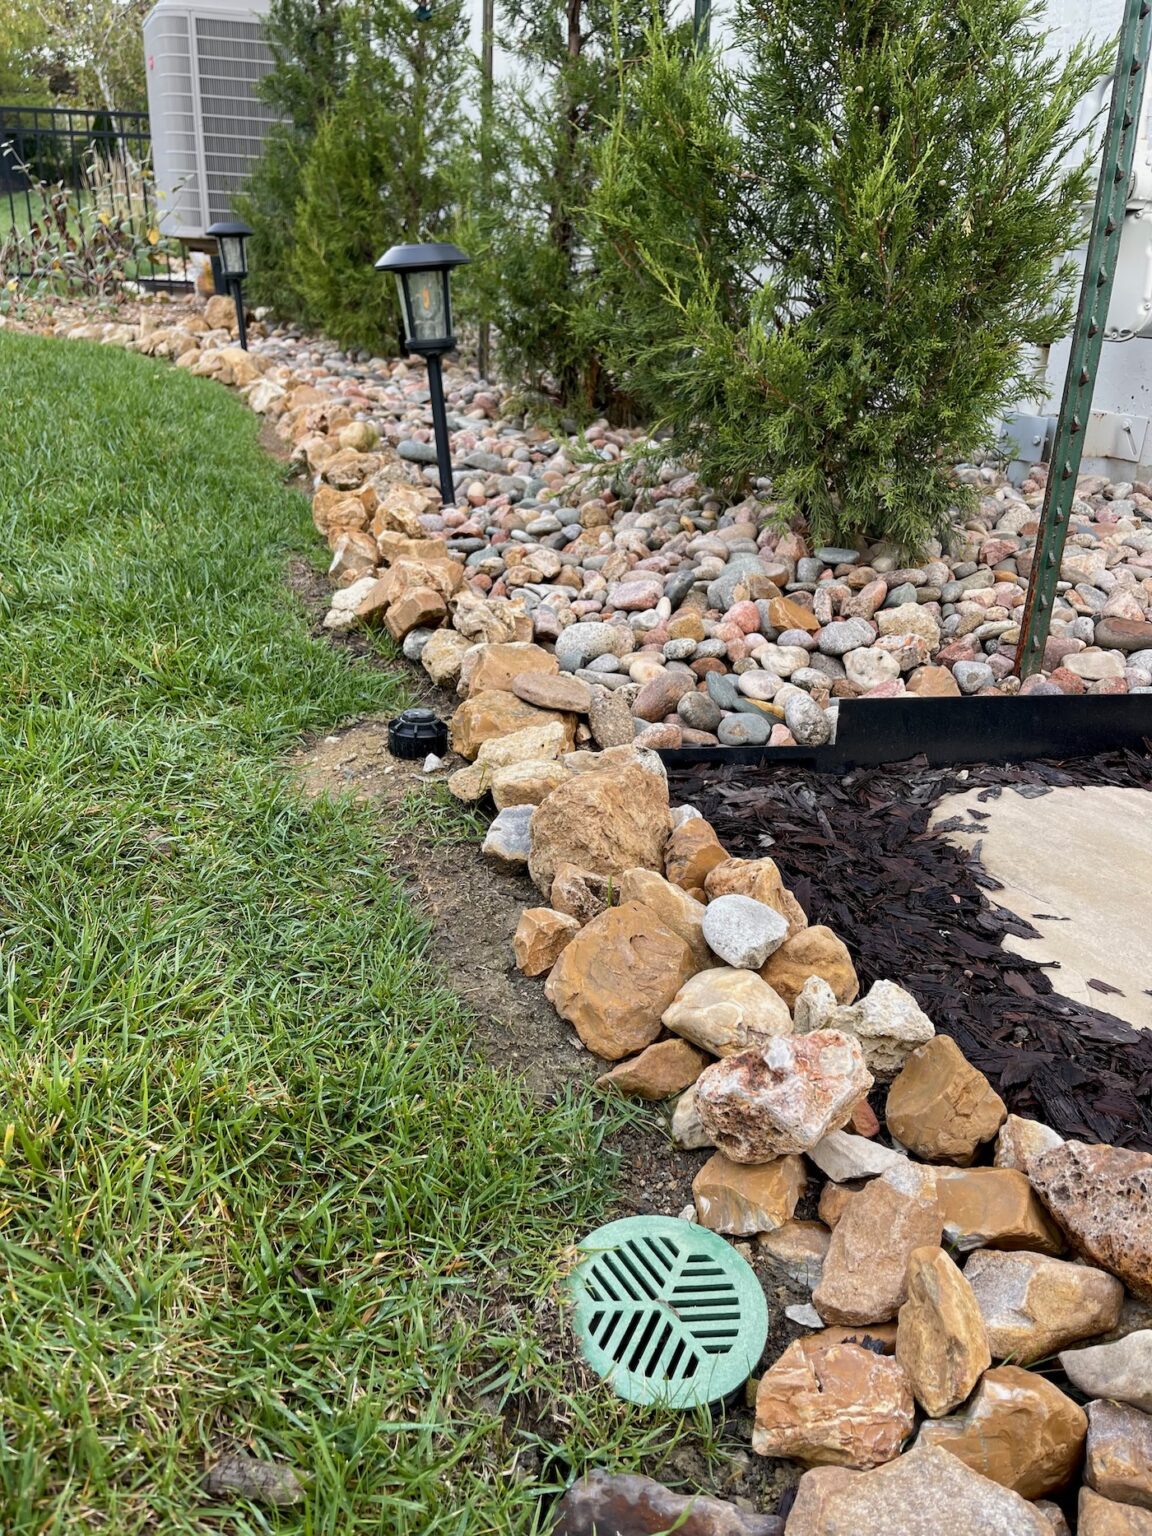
[252,1183]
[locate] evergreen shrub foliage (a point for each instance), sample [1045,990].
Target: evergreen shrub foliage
[537,167]
[826,262]
[369,155]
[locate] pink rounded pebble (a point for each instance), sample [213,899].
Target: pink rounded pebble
[744,617]
[781,737]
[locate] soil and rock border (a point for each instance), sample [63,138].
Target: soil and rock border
[952,1235]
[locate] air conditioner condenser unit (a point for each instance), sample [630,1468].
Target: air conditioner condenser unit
[204,65]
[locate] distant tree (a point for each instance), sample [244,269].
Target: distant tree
[95,51]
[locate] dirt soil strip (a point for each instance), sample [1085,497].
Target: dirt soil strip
[914,909]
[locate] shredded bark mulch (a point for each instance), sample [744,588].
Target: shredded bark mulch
[914,909]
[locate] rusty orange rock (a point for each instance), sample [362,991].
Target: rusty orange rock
[496,666]
[612,819]
[865,1277]
[994,1208]
[692,850]
[941,1340]
[1019,1430]
[743,1200]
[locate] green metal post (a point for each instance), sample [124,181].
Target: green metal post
[1116,158]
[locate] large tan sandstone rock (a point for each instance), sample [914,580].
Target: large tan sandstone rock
[1019,1429]
[994,1208]
[1102,1198]
[1118,1464]
[941,1107]
[495,666]
[1033,1305]
[1097,1516]
[608,821]
[496,713]
[833,1404]
[673,906]
[941,1340]
[541,935]
[782,1097]
[537,744]
[760,879]
[811,952]
[692,851]
[926,1492]
[489,619]
[733,1197]
[419,608]
[726,1011]
[616,977]
[865,1277]
[659,1072]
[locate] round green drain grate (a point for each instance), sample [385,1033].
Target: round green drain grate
[667,1312]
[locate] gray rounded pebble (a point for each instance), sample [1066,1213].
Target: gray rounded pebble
[744,730]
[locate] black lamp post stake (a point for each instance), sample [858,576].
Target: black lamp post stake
[422,281]
[230,237]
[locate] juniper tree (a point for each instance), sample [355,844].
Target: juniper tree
[912,174]
[534,280]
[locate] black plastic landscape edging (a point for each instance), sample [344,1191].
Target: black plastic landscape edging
[871,732]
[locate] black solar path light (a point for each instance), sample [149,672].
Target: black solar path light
[230,237]
[423,274]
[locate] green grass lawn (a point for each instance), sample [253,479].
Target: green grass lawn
[253,1185]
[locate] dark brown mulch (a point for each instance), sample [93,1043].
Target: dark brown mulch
[915,909]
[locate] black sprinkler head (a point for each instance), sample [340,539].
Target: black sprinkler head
[415,733]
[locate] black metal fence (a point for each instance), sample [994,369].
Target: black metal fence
[80,181]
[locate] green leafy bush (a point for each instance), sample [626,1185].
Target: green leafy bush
[827,263]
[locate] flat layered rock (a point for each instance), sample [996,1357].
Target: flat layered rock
[548,690]
[1101,1197]
[659,1072]
[842,1156]
[741,1199]
[941,1340]
[926,1492]
[1019,1430]
[1034,1305]
[833,1404]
